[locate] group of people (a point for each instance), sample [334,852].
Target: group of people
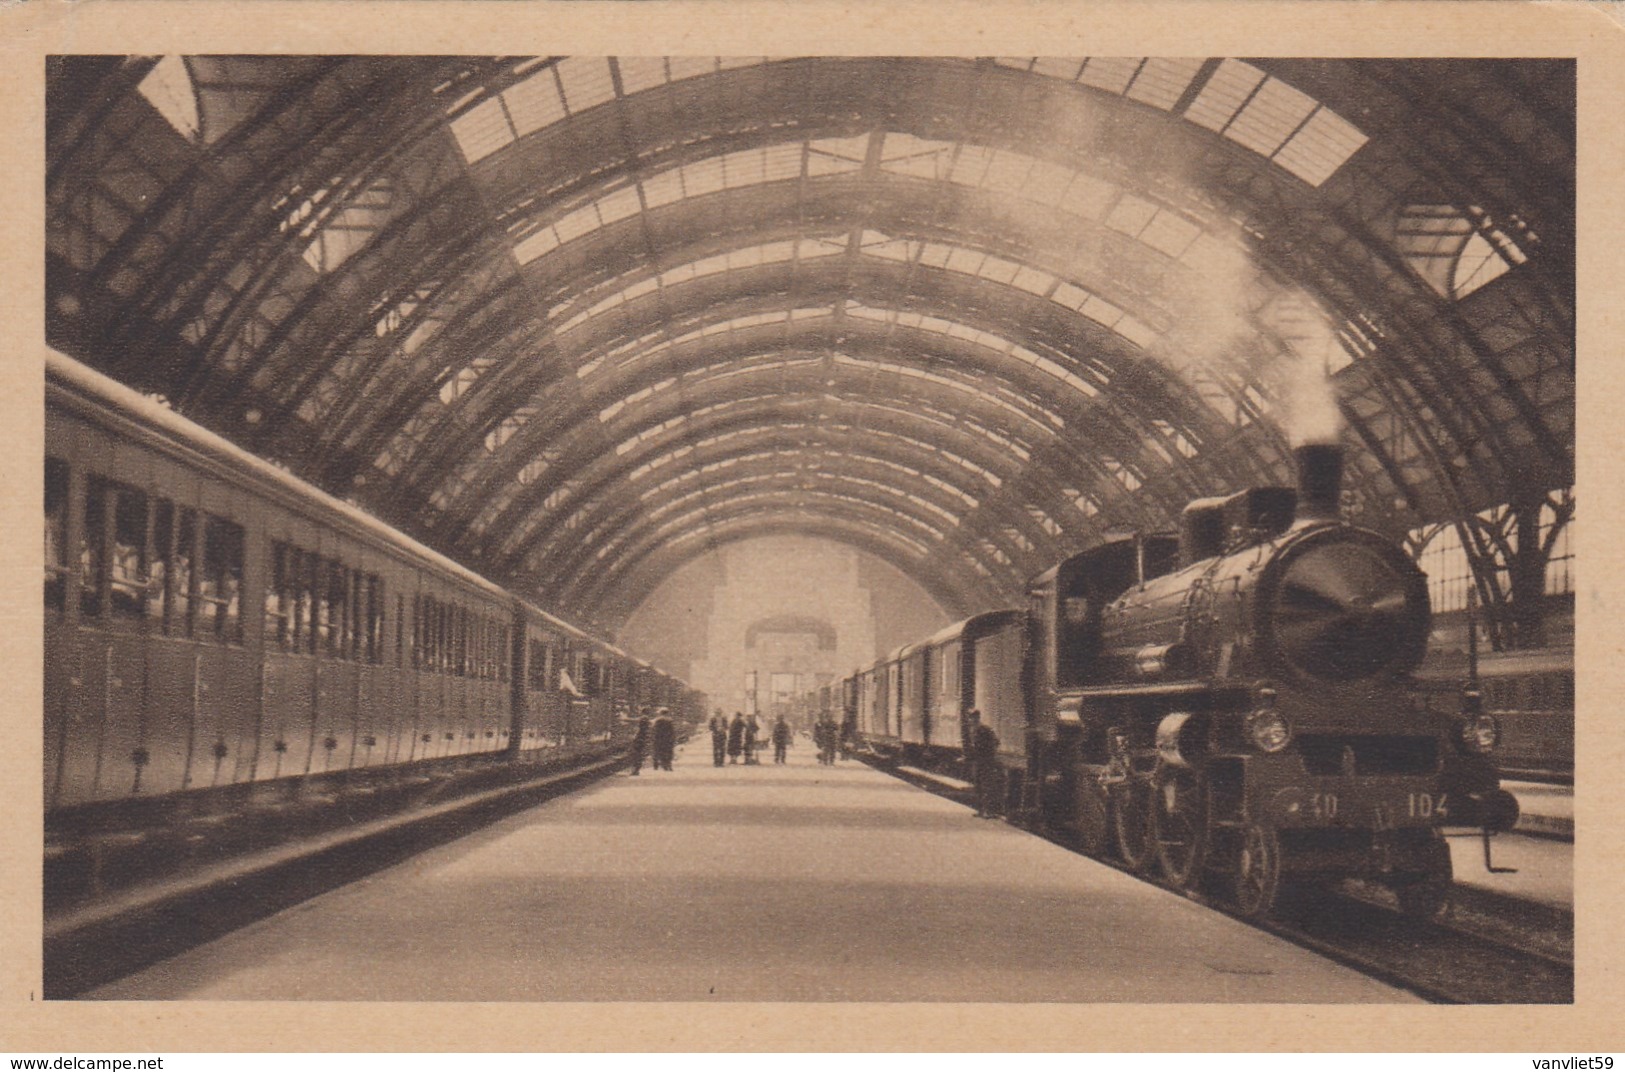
[658,734]
[737,741]
[827,736]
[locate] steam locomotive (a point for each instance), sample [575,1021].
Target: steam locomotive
[1232,703]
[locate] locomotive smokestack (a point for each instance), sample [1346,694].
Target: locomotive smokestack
[1320,481]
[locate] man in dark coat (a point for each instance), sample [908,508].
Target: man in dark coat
[640,742]
[984,745]
[753,730]
[665,739]
[719,738]
[736,737]
[829,738]
[781,739]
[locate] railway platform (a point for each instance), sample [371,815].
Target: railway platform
[751,883]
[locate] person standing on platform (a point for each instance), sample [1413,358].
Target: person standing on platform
[753,730]
[640,741]
[736,737]
[719,738]
[984,765]
[781,739]
[665,739]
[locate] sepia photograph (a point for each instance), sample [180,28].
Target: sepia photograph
[846,530]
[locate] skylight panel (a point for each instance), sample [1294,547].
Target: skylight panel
[577,223]
[781,162]
[534,103]
[747,168]
[1109,73]
[1135,332]
[1322,146]
[664,188]
[1170,233]
[690,66]
[1130,215]
[1047,182]
[1162,82]
[971,165]
[703,177]
[1016,63]
[935,254]
[168,88]
[1224,94]
[964,260]
[619,205]
[1273,114]
[1070,295]
[482,130]
[999,270]
[734,63]
[1101,311]
[1064,68]
[1087,196]
[586,82]
[847,153]
[641,72]
[1032,280]
[1007,173]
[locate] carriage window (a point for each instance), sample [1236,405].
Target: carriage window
[536,672]
[375,618]
[128,583]
[278,600]
[220,584]
[159,596]
[113,550]
[305,576]
[504,652]
[183,585]
[56,533]
[400,628]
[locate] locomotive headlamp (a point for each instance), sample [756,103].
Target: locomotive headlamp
[1480,733]
[1269,730]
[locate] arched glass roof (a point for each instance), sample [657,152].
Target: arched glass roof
[555,312]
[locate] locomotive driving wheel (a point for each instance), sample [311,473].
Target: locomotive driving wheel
[1131,821]
[1179,825]
[1258,871]
[1426,895]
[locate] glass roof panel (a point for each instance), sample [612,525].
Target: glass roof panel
[641,72]
[1224,94]
[1273,115]
[586,82]
[1161,82]
[1322,146]
[482,130]
[535,102]
[1110,73]
[1064,68]
[690,66]
[168,88]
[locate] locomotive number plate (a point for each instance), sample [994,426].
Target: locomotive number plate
[1384,811]
[1323,805]
[1427,805]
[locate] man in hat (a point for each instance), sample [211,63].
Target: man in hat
[719,738]
[665,739]
[640,741]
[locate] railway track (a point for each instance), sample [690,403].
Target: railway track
[1477,957]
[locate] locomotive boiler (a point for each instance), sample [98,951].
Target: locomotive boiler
[1236,702]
